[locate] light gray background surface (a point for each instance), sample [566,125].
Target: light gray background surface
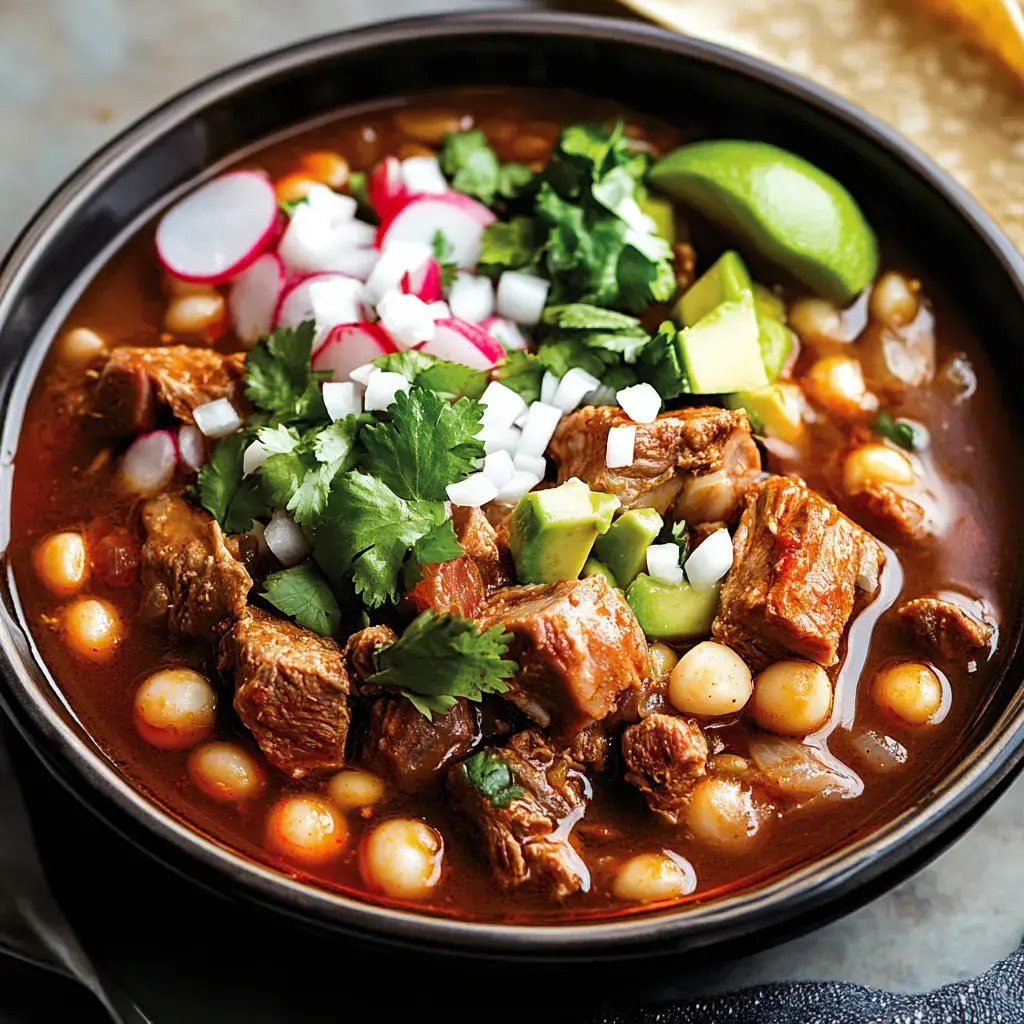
[74,72]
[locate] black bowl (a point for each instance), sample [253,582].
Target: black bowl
[649,70]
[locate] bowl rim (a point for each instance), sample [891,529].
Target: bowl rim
[796,892]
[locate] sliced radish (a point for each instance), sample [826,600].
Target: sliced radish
[424,282]
[395,260]
[422,175]
[505,331]
[460,219]
[461,342]
[217,231]
[350,346]
[148,465]
[385,189]
[192,450]
[296,304]
[254,298]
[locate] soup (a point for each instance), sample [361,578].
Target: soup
[437,509]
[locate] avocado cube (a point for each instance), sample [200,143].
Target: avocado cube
[776,341]
[667,612]
[727,280]
[624,547]
[767,303]
[552,531]
[774,411]
[722,351]
[592,567]
[662,212]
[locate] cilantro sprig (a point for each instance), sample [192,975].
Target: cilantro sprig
[475,170]
[488,772]
[903,433]
[439,659]
[304,595]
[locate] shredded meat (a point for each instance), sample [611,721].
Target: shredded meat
[188,568]
[409,749]
[528,841]
[666,755]
[797,566]
[291,691]
[947,629]
[135,382]
[359,650]
[487,547]
[892,514]
[578,647]
[678,448]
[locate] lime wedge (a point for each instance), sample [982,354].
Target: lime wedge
[791,211]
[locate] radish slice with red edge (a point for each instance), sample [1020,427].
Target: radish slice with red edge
[424,282]
[214,233]
[462,342]
[385,189]
[192,450]
[148,465]
[254,298]
[351,345]
[505,331]
[296,305]
[460,219]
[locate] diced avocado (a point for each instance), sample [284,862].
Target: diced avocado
[776,341]
[767,303]
[592,567]
[722,352]
[552,531]
[726,280]
[624,547]
[663,213]
[678,612]
[774,411]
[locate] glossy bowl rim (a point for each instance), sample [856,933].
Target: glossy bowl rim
[799,891]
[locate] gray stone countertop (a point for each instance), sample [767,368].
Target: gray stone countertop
[74,72]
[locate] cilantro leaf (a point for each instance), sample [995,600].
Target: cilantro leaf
[441,658]
[278,377]
[580,316]
[428,444]
[522,372]
[560,356]
[427,371]
[901,432]
[661,364]
[303,594]
[488,772]
[233,501]
[439,545]
[514,180]
[366,531]
[471,164]
[510,245]
[676,533]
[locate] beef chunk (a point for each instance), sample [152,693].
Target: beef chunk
[524,800]
[666,755]
[134,382]
[450,588]
[948,630]
[590,748]
[892,514]
[359,650]
[797,566]
[407,748]
[485,546]
[670,455]
[578,646]
[188,568]
[291,691]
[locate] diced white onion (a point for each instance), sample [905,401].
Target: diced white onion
[521,483]
[217,418]
[548,387]
[381,389]
[396,259]
[499,468]
[621,442]
[286,540]
[332,206]
[362,374]
[474,491]
[439,310]
[502,405]
[572,387]
[710,560]
[507,333]
[540,425]
[535,464]
[500,439]
[335,300]
[355,234]
[640,402]
[269,442]
[253,457]
[406,318]
[471,298]
[663,564]
[521,297]
[342,399]
[422,175]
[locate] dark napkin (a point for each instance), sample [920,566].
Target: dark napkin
[99,911]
